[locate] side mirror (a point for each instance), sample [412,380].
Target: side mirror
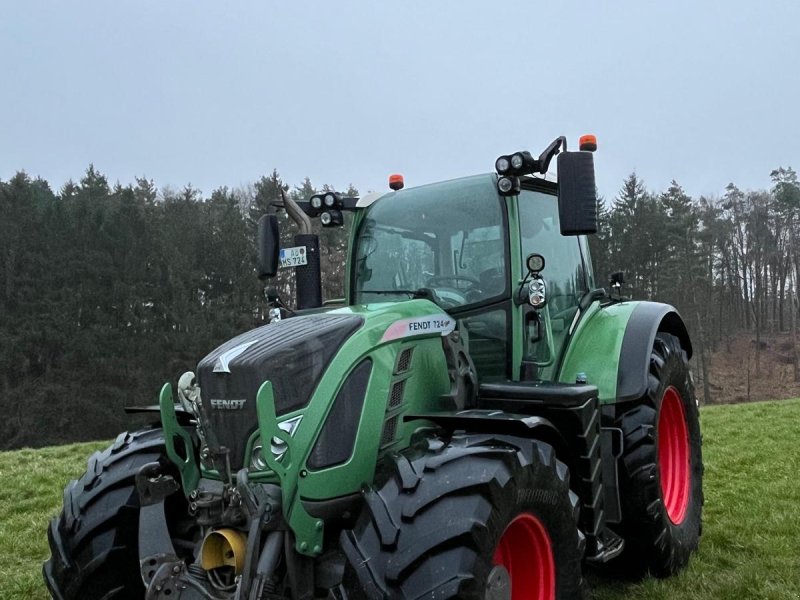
[268,246]
[577,197]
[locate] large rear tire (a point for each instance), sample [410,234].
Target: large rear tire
[94,541]
[661,479]
[466,517]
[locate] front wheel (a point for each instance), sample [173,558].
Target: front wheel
[472,517]
[661,479]
[94,541]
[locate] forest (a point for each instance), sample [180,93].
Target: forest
[107,291]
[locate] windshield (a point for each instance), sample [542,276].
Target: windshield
[445,241]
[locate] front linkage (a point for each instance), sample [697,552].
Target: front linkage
[272,516]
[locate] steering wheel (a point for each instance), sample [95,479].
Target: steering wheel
[433,281]
[450,297]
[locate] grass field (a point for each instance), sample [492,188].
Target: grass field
[750,547]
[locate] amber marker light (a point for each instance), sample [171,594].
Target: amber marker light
[588,142]
[396,182]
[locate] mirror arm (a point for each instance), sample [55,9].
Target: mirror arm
[557,145]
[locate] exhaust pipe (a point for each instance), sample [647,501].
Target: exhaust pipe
[308,277]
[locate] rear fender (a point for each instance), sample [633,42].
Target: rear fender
[647,319]
[611,346]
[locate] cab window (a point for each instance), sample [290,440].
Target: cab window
[563,273]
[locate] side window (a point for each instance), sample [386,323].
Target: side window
[563,272]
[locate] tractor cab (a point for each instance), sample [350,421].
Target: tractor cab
[464,246]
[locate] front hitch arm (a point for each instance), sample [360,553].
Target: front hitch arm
[308,531]
[178,442]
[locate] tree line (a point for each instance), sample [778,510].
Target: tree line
[108,290]
[727,263]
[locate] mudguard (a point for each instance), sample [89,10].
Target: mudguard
[611,346]
[645,321]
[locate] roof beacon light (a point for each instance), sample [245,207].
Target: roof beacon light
[588,142]
[396,182]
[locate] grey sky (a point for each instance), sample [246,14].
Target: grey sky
[220,93]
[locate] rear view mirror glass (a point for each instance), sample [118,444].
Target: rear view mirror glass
[268,246]
[577,196]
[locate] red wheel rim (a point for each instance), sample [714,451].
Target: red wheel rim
[673,456]
[527,554]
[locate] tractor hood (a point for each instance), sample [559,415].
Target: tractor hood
[292,354]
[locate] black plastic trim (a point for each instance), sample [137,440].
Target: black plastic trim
[647,319]
[333,508]
[336,440]
[488,421]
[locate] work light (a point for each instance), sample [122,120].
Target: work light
[331,218]
[508,185]
[522,163]
[502,165]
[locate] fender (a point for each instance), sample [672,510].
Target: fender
[647,319]
[611,346]
[499,422]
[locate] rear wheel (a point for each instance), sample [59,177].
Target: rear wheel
[94,541]
[475,517]
[661,479]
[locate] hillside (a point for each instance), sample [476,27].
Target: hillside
[749,547]
[735,377]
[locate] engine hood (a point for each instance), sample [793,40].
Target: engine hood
[293,354]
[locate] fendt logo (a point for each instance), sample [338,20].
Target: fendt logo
[227,404]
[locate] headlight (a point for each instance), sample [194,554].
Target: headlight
[537,295]
[316,202]
[257,462]
[330,200]
[277,446]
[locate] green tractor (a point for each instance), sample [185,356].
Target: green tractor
[478,419]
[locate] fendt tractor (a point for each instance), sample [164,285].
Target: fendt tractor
[476,419]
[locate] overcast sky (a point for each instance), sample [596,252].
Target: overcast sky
[220,93]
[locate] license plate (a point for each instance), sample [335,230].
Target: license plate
[293,257]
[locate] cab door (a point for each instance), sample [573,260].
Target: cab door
[546,331]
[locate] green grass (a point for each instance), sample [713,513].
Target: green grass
[750,546]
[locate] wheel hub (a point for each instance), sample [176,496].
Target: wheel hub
[525,553]
[673,456]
